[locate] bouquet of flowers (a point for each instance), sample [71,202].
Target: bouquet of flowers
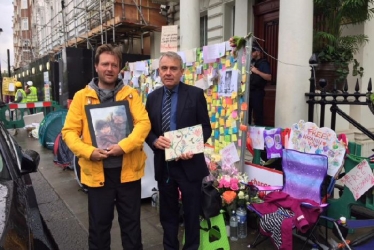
[228,180]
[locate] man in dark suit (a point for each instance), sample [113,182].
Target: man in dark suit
[188,108]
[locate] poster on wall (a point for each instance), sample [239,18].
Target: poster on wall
[309,138]
[169,38]
[228,82]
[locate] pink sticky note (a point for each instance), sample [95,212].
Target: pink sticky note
[234,114]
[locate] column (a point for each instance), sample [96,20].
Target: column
[243,17]
[155,44]
[189,28]
[295,47]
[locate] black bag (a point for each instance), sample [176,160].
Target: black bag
[211,202]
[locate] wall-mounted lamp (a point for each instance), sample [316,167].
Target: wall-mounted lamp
[40,67]
[33,70]
[27,72]
[47,65]
[23,73]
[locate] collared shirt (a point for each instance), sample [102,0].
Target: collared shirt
[174,102]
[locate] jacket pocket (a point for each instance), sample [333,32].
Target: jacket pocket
[138,158]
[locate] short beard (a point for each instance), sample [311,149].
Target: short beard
[108,84]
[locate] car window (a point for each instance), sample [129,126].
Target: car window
[14,149]
[4,173]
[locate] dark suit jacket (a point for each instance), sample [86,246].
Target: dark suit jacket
[191,110]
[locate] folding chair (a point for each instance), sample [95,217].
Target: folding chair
[298,204]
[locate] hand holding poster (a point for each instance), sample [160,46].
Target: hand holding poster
[169,38]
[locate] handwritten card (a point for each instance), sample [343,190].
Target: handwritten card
[359,179]
[169,38]
[185,140]
[309,138]
[229,155]
[257,136]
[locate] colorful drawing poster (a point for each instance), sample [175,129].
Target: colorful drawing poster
[185,140]
[359,179]
[309,138]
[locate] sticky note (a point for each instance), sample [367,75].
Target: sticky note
[234,114]
[227,138]
[228,100]
[244,106]
[234,138]
[235,130]
[221,130]
[223,112]
[228,63]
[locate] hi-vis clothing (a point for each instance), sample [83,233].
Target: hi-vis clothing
[77,136]
[33,96]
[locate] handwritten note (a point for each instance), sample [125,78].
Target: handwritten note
[257,136]
[169,38]
[359,179]
[229,154]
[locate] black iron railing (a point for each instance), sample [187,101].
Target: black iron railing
[335,98]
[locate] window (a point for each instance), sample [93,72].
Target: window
[25,23]
[23,4]
[203,30]
[229,20]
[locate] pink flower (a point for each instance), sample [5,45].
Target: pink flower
[224,182]
[234,184]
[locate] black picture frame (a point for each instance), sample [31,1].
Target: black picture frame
[109,123]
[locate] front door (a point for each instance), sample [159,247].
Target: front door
[266,28]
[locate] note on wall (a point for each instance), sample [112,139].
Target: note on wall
[169,38]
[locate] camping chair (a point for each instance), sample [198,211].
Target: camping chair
[298,204]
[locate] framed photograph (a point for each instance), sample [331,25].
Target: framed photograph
[109,123]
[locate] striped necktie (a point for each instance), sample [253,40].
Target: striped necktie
[166,111]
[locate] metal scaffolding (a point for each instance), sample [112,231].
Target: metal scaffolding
[89,23]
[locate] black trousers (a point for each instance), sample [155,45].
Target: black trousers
[256,104]
[175,178]
[126,197]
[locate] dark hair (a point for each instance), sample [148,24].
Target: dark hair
[100,124]
[114,50]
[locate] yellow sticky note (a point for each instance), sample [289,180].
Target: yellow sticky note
[223,60]
[228,123]
[235,66]
[234,138]
[209,99]
[223,112]
[228,63]
[221,138]
[213,125]
[244,78]
[235,105]
[221,130]
[221,122]
[224,102]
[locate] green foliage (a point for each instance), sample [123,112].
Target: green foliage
[328,42]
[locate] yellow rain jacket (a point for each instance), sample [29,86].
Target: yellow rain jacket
[77,136]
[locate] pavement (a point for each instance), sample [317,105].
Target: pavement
[63,206]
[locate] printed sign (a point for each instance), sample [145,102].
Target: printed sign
[262,176]
[169,38]
[359,179]
[309,138]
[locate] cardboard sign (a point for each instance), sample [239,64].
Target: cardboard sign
[169,38]
[309,138]
[359,179]
[262,176]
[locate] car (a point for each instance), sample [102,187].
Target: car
[21,224]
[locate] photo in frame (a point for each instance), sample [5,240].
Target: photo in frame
[109,123]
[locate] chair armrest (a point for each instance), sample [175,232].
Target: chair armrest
[308,205]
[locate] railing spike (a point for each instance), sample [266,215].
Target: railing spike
[357,87]
[345,87]
[369,85]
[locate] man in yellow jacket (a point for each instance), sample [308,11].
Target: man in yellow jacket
[112,175]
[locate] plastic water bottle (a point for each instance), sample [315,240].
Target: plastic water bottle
[242,222]
[233,227]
